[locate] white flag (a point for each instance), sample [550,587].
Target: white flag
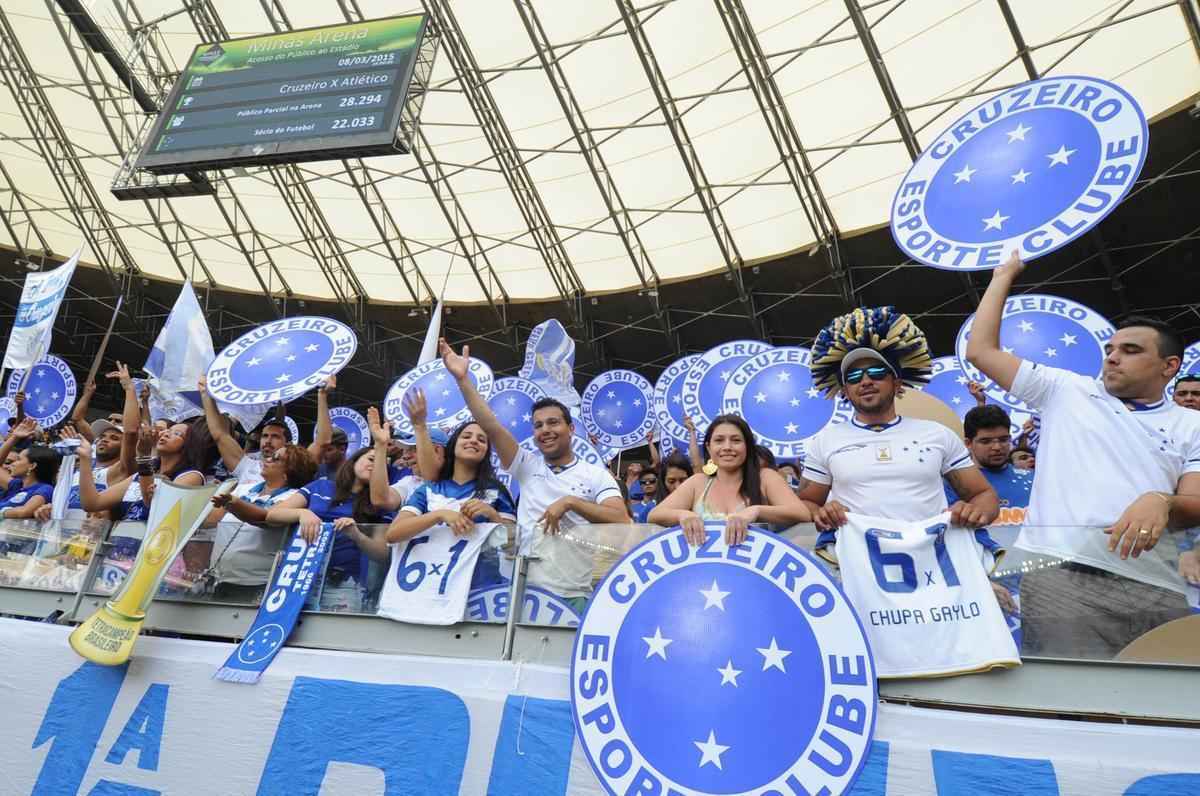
[429,349]
[550,361]
[41,297]
[180,356]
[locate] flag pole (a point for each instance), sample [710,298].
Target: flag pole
[91,377]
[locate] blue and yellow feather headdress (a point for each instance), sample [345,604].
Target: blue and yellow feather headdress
[893,335]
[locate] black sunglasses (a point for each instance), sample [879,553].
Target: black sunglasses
[876,372]
[649,482]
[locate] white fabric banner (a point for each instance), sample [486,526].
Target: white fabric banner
[42,295]
[329,723]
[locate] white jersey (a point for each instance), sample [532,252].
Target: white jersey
[894,470]
[563,568]
[921,590]
[1096,456]
[405,487]
[430,575]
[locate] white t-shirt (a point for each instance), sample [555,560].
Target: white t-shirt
[892,471]
[406,486]
[922,592]
[243,553]
[248,471]
[564,568]
[1095,457]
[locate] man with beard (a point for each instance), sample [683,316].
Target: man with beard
[273,435]
[558,490]
[878,463]
[1117,465]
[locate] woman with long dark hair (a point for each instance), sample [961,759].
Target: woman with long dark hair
[30,483]
[673,472]
[734,487]
[344,500]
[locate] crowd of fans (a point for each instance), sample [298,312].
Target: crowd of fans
[988,478]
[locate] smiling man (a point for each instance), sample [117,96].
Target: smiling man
[558,490]
[1117,465]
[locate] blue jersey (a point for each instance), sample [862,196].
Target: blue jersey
[345,555]
[15,498]
[1012,486]
[642,510]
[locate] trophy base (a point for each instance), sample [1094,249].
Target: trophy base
[107,637]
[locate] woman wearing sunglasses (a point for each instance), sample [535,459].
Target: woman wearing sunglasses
[734,488]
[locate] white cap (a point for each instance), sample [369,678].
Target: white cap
[859,355]
[102,425]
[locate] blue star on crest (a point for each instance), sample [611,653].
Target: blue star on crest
[49,391]
[729,658]
[1012,176]
[619,408]
[949,385]
[261,644]
[513,407]
[441,394]
[780,403]
[281,359]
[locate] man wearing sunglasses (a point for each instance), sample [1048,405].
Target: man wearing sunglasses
[884,465]
[649,484]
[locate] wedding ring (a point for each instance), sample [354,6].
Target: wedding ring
[1143,532]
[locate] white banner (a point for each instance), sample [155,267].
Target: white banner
[339,723]
[41,297]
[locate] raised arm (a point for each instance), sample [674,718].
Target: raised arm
[131,415]
[79,413]
[22,430]
[655,456]
[382,494]
[693,445]
[323,434]
[231,452]
[417,410]
[90,499]
[983,344]
[504,442]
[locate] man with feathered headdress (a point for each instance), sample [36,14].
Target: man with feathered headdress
[879,463]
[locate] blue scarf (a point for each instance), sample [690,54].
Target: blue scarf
[301,569]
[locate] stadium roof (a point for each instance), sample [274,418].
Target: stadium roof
[567,151]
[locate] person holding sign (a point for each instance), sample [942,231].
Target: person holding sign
[734,487]
[1117,466]
[558,490]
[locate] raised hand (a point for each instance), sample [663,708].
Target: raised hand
[380,432]
[1012,267]
[416,407]
[25,429]
[147,440]
[457,364]
[330,384]
[976,390]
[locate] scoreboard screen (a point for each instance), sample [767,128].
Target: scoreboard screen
[315,94]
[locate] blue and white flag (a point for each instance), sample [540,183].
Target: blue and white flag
[1046,330]
[49,390]
[181,354]
[774,392]
[281,360]
[618,409]
[1032,168]
[300,569]
[550,361]
[42,295]
[353,424]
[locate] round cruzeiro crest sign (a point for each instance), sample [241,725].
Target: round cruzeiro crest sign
[774,392]
[948,384]
[703,387]
[1189,366]
[293,429]
[617,409]
[446,406]
[512,401]
[668,404]
[754,654]
[8,409]
[1030,169]
[1046,330]
[355,426]
[49,392]
[491,603]
[281,360]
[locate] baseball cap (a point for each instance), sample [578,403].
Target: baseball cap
[861,355]
[102,425]
[436,435]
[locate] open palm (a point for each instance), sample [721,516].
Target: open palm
[457,364]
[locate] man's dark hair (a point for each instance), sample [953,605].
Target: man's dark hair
[339,439]
[1169,342]
[1021,449]
[986,416]
[287,432]
[1188,377]
[544,403]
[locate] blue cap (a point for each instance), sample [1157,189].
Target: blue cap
[436,435]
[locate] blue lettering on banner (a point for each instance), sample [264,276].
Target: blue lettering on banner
[74,720]
[417,736]
[447,407]
[1165,785]
[991,775]
[143,732]
[533,761]
[107,787]
[703,388]
[1030,169]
